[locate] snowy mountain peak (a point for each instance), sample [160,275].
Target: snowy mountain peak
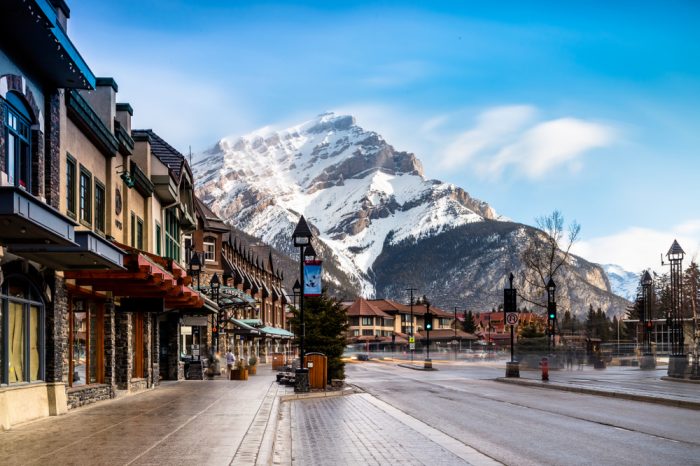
[350,184]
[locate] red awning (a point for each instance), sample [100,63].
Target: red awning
[147,276]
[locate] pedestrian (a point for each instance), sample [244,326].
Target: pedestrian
[230,360]
[579,358]
[569,358]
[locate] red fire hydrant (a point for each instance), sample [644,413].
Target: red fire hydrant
[544,365]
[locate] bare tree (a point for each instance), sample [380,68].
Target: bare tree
[544,255]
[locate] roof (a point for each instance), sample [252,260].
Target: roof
[362,307]
[210,220]
[167,154]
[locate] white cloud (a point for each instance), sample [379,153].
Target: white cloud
[636,248]
[509,137]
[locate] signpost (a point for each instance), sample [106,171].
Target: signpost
[510,310]
[412,343]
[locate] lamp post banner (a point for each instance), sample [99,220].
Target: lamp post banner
[312,278]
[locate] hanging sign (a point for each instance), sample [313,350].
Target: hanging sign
[312,278]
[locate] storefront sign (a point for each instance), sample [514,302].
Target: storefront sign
[185,330]
[195,321]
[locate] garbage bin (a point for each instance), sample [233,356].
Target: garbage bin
[317,363]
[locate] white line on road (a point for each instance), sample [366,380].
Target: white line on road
[465,452]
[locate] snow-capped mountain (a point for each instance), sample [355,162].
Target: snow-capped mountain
[379,223]
[622,282]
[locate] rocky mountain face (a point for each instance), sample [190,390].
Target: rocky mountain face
[380,225]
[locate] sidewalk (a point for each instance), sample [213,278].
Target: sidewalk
[190,422]
[618,382]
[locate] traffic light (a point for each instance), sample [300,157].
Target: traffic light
[552,311]
[428,321]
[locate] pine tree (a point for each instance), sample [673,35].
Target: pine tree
[326,323]
[469,324]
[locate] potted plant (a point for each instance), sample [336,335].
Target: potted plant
[252,368]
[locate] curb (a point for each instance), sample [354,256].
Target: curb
[611,394]
[676,379]
[416,368]
[304,396]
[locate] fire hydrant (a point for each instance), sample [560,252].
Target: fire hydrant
[544,365]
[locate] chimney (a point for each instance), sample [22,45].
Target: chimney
[124,114]
[103,100]
[62,13]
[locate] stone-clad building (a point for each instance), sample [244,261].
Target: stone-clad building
[98,223]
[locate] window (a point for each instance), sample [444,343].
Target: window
[85,194]
[133,230]
[18,136]
[21,332]
[209,247]
[86,348]
[368,332]
[367,321]
[159,240]
[172,235]
[70,185]
[100,207]
[139,233]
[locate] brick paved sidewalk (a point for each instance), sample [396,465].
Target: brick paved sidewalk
[179,423]
[362,430]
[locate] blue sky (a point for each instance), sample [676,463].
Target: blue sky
[587,107]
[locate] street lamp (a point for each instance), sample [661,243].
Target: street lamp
[215,284]
[412,345]
[302,240]
[551,313]
[296,289]
[678,361]
[195,266]
[647,359]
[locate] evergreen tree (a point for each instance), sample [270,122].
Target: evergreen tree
[591,329]
[326,323]
[469,324]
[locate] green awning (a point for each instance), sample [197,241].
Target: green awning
[277,332]
[252,322]
[244,328]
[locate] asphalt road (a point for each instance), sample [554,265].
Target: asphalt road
[528,426]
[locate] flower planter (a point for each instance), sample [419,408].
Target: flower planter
[239,374]
[252,370]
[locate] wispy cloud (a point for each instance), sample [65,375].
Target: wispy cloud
[512,138]
[636,248]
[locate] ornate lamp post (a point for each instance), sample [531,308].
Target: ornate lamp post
[195,266]
[678,360]
[215,285]
[302,240]
[551,313]
[647,360]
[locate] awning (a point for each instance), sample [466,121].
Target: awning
[90,252]
[244,329]
[252,322]
[275,332]
[230,297]
[24,219]
[145,277]
[44,43]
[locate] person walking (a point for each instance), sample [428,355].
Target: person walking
[230,360]
[569,358]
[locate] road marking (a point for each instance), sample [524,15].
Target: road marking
[465,452]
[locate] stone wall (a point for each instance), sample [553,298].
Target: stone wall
[52,133]
[123,365]
[56,330]
[110,345]
[82,396]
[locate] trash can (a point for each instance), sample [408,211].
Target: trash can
[317,364]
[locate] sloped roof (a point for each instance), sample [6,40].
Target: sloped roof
[362,307]
[210,220]
[167,154]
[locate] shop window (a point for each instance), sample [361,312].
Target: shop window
[86,343]
[100,207]
[21,332]
[71,170]
[85,196]
[18,136]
